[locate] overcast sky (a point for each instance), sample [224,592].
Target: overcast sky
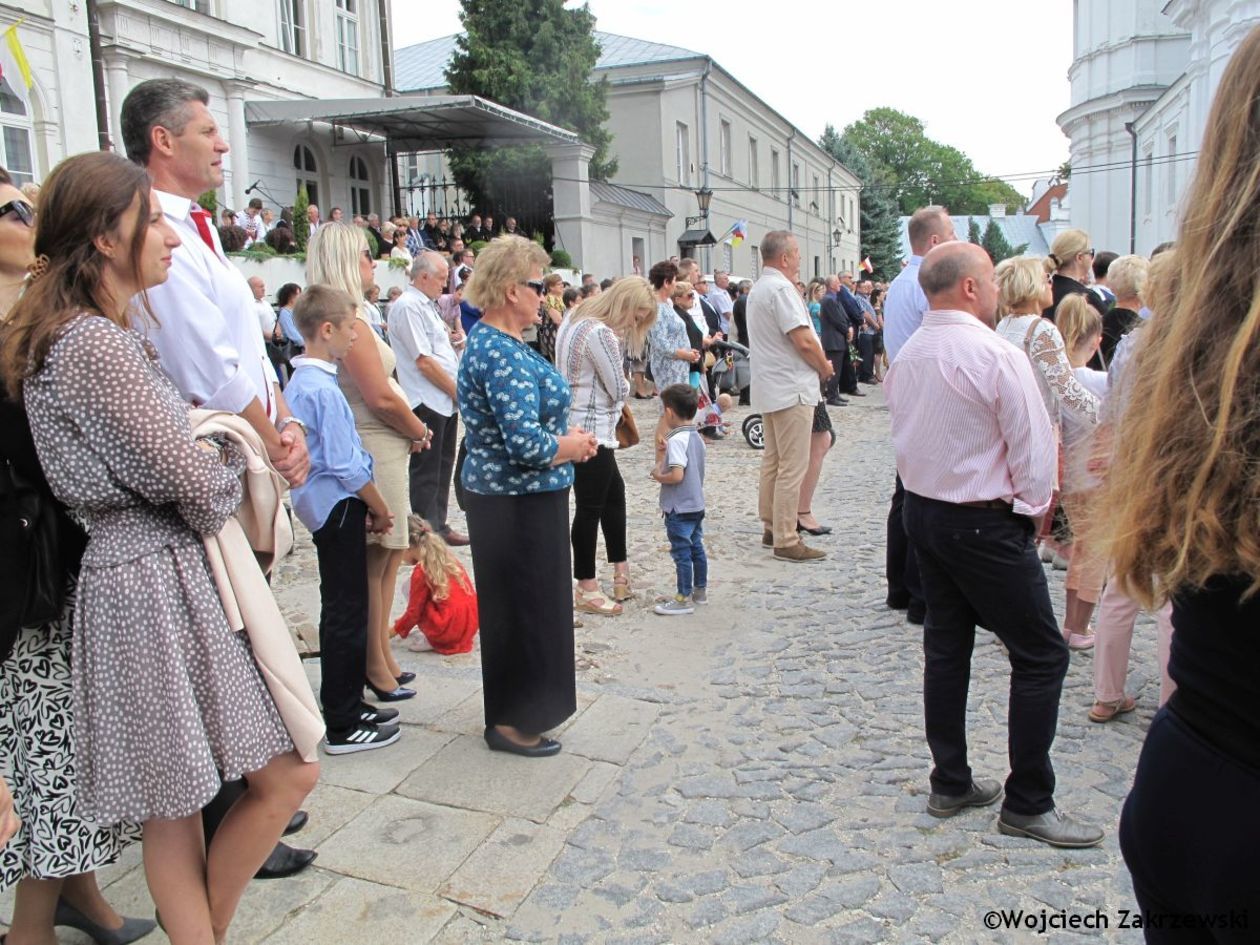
[987,76]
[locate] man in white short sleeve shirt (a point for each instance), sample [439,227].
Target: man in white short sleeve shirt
[787,365]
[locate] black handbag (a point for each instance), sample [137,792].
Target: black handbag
[34,517]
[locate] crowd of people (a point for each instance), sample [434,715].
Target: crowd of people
[1087,411]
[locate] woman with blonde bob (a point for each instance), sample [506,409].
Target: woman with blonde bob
[1126,278]
[1183,524]
[1073,260]
[516,478]
[338,256]
[591,349]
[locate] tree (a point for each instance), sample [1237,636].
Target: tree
[919,171]
[881,233]
[995,244]
[301,225]
[536,57]
[973,232]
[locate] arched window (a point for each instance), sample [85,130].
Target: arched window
[307,172]
[360,187]
[15,137]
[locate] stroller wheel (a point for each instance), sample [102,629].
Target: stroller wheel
[754,431]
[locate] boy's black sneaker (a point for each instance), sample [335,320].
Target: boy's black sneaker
[363,737]
[374,715]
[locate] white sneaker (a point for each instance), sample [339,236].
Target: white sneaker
[417,643]
[675,606]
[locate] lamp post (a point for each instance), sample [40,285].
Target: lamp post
[704,197]
[835,244]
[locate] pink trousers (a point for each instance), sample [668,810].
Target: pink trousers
[1113,639]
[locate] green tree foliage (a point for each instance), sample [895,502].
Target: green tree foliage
[995,244]
[209,202]
[919,171]
[880,231]
[534,56]
[301,225]
[973,232]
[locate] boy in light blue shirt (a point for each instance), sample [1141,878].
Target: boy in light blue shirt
[680,471]
[339,503]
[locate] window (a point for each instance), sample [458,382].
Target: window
[796,184]
[201,6]
[815,196]
[292,27]
[775,182]
[1172,171]
[360,188]
[348,36]
[724,149]
[1148,189]
[15,137]
[755,264]
[307,171]
[682,154]
[754,165]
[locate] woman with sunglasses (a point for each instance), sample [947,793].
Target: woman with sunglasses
[338,255]
[517,476]
[52,860]
[1073,260]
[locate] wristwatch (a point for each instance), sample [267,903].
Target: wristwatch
[291,419]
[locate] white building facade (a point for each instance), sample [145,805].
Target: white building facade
[680,122]
[240,51]
[1143,77]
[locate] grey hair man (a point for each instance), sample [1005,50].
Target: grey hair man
[427,365]
[903,312]
[785,390]
[720,298]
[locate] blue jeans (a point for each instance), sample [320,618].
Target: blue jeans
[686,547]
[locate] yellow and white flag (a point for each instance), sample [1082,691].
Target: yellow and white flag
[14,68]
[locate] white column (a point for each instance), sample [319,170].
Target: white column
[238,140]
[571,199]
[118,85]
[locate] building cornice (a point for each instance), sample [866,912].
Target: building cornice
[1134,100]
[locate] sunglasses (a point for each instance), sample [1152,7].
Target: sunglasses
[25,212]
[536,284]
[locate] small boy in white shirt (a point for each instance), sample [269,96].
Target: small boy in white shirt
[680,471]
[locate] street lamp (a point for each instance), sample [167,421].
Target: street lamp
[704,197]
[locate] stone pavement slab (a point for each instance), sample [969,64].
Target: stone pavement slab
[466,774]
[611,729]
[501,872]
[381,770]
[354,912]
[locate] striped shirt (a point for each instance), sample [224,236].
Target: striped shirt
[589,356]
[968,421]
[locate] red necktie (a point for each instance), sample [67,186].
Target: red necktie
[202,219]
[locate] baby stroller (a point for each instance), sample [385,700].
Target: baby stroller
[732,374]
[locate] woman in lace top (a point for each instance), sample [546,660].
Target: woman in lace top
[1025,289]
[167,698]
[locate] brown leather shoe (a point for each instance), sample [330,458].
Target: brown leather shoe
[767,539]
[454,538]
[799,552]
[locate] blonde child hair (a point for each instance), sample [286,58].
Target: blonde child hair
[430,552]
[1081,327]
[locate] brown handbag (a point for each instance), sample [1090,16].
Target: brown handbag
[627,430]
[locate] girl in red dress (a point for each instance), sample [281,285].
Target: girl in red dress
[442,601]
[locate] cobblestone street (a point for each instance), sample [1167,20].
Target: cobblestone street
[754,773]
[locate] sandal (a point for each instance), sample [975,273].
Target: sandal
[621,589]
[1106,711]
[594,602]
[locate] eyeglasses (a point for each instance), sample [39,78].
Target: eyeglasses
[536,284]
[367,254]
[25,212]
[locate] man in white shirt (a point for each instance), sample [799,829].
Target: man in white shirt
[427,365]
[262,308]
[720,298]
[787,365]
[903,313]
[312,219]
[207,329]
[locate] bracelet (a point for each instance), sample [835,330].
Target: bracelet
[291,419]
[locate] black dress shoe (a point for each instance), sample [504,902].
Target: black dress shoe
[500,742]
[820,530]
[855,393]
[916,616]
[390,695]
[837,402]
[285,861]
[296,823]
[404,678]
[897,602]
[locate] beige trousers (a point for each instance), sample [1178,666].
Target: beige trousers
[783,467]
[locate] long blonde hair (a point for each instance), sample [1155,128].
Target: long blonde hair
[435,559]
[1078,322]
[1183,497]
[332,258]
[628,307]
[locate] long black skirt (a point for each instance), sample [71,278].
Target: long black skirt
[521,563]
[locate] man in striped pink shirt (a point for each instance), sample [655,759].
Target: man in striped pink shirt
[976,452]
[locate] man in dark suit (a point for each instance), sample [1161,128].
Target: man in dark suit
[857,318]
[836,331]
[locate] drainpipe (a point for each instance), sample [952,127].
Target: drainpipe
[387,52]
[704,139]
[98,77]
[831,217]
[1128,126]
[788,171]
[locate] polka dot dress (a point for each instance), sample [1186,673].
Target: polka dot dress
[166,695]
